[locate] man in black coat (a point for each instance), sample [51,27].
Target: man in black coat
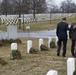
[61,33]
[72,35]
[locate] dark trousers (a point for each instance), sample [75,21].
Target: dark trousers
[60,41]
[73,47]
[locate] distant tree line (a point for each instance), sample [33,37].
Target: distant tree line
[67,6]
[34,6]
[22,6]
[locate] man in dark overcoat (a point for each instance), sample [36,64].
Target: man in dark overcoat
[61,32]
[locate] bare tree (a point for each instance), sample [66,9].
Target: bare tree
[18,6]
[5,7]
[25,7]
[63,7]
[36,6]
[55,9]
[68,6]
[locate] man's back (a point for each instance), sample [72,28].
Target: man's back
[62,30]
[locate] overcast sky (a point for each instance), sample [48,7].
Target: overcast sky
[59,1]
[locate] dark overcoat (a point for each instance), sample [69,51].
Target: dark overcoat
[61,30]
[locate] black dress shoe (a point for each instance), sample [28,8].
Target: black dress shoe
[58,54]
[64,56]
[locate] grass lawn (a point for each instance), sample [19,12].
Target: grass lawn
[35,64]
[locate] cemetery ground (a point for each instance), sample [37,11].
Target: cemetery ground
[34,64]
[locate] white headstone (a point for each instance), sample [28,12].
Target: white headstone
[40,42]
[56,40]
[29,45]
[14,46]
[49,40]
[52,72]
[70,66]
[12,32]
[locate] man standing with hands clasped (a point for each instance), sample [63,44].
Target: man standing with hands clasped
[61,33]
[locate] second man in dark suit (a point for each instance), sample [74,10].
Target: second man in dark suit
[72,35]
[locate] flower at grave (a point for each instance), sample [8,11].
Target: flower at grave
[1,44]
[10,41]
[18,41]
[16,54]
[4,41]
[52,44]
[44,48]
[33,50]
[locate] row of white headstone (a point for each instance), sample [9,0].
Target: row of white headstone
[10,21]
[29,43]
[70,61]
[29,17]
